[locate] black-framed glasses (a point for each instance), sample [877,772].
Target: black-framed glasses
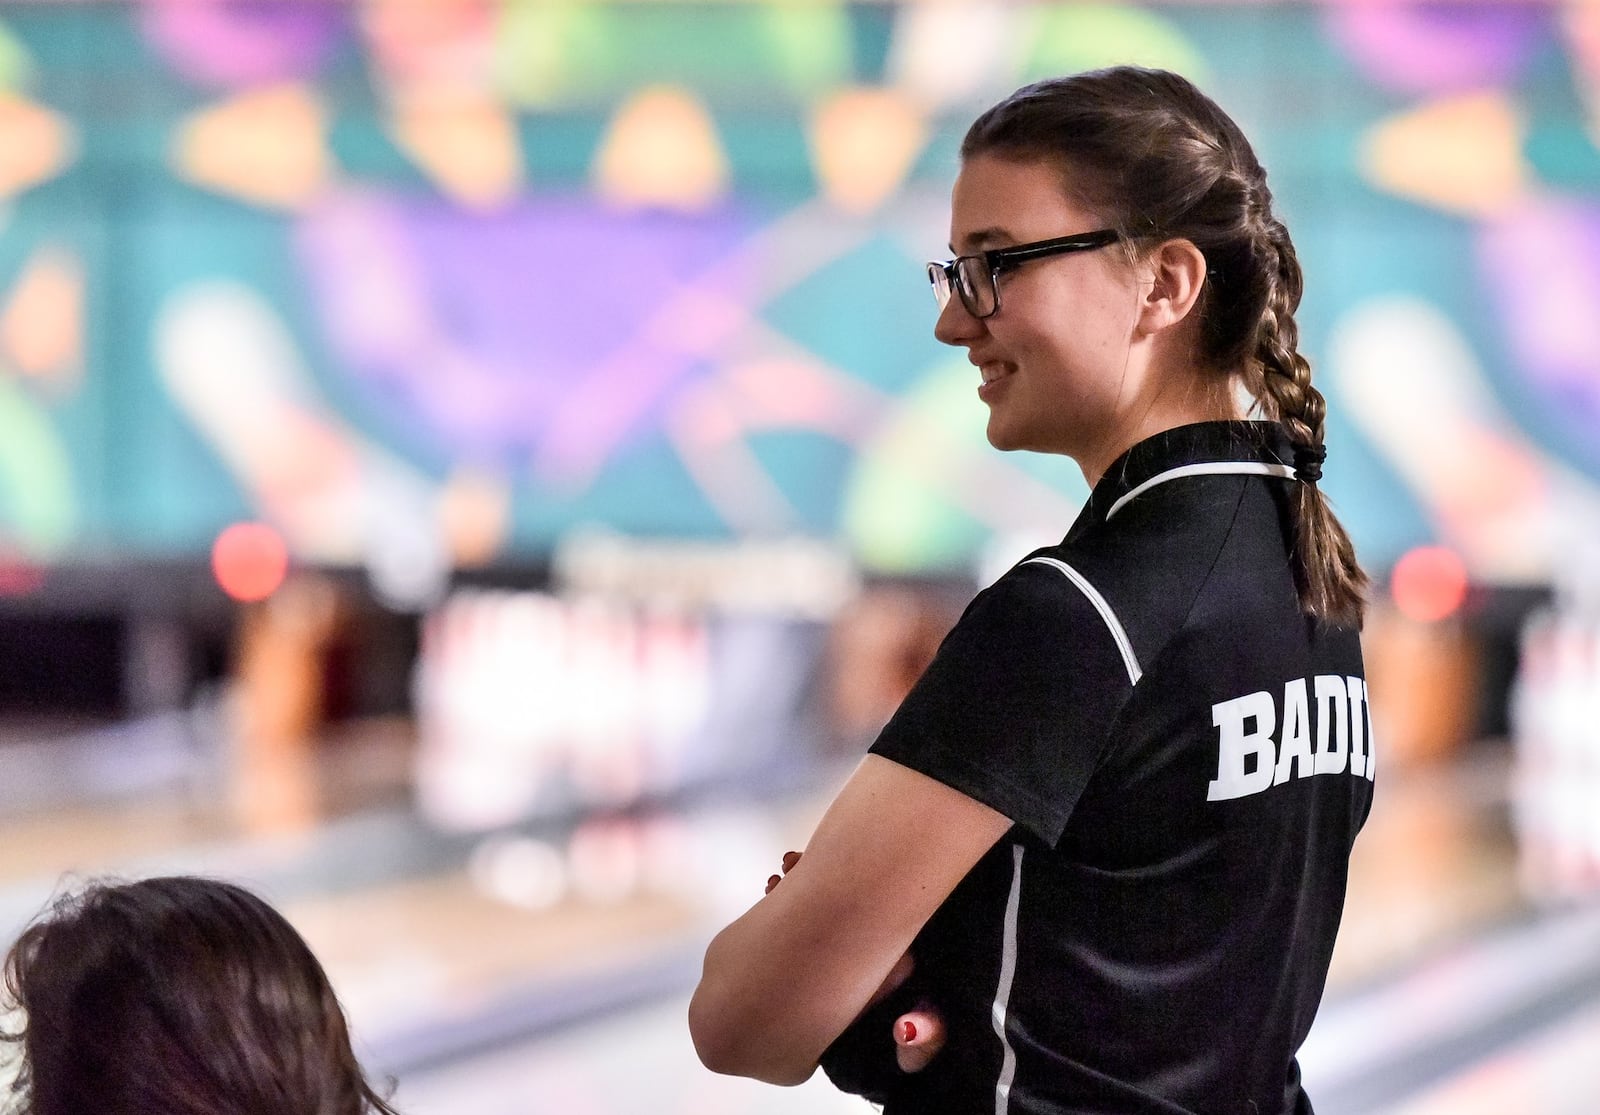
[975,277]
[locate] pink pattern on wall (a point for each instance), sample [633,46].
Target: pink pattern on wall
[236,43]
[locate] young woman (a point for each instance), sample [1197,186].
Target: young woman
[182,996]
[1108,830]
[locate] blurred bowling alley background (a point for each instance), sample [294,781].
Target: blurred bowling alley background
[479,472]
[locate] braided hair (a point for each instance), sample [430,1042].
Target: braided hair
[1161,160]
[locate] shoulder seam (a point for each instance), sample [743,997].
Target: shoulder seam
[1188,614]
[1114,625]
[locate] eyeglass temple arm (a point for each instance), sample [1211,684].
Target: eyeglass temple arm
[1060,244]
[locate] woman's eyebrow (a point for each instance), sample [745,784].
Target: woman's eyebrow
[983,238]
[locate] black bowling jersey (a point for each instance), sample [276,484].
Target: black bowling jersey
[1187,759]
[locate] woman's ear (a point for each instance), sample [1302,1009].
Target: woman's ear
[1177,271]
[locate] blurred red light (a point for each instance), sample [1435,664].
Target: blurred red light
[1429,583]
[18,577]
[250,561]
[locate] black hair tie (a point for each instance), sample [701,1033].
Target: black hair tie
[1308,462]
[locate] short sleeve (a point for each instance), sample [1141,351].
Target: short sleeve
[1016,708]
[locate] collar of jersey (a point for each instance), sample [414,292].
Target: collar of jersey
[1182,447]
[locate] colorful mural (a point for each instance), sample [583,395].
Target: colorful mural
[423,285]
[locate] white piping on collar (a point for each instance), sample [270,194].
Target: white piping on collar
[1214,468]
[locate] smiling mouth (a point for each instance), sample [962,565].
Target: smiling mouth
[992,372]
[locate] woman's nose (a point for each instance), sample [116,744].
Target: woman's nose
[955,325]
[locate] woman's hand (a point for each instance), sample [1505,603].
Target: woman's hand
[789,860]
[918,1037]
[918,1034]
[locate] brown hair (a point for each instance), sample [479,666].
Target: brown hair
[1159,159]
[180,995]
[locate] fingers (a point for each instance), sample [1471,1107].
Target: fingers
[789,860]
[918,1037]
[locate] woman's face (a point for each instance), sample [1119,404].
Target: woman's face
[1054,358]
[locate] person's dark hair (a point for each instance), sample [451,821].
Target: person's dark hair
[1159,160]
[178,996]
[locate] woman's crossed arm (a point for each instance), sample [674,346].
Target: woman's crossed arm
[787,977]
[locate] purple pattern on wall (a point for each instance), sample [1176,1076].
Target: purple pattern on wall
[1438,48]
[1539,267]
[549,332]
[236,43]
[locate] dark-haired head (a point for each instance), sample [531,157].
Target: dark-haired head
[178,996]
[1159,161]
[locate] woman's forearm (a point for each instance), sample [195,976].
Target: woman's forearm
[780,983]
[789,975]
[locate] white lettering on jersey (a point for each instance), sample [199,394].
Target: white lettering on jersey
[1238,746]
[1333,724]
[1295,754]
[1358,725]
[1331,709]
[1365,707]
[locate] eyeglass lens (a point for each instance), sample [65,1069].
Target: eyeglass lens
[977,285]
[973,282]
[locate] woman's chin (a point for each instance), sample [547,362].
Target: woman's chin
[1004,439]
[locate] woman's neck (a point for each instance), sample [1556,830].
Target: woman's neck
[1202,397]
